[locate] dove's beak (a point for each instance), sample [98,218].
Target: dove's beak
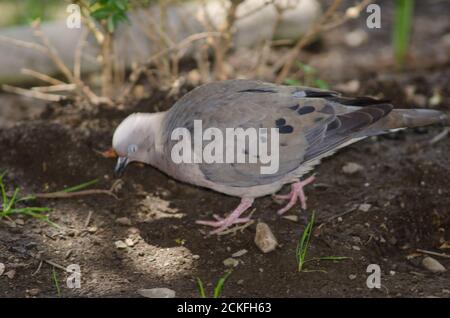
[122,163]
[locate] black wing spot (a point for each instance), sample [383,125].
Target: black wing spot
[280,122]
[319,94]
[258,90]
[358,101]
[286,129]
[282,127]
[294,107]
[306,110]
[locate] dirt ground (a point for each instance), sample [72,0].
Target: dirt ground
[405,180]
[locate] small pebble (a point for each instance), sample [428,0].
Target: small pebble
[129,242]
[264,238]
[120,244]
[352,168]
[157,293]
[433,265]
[2,269]
[293,218]
[352,276]
[123,221]
[356,248]
[365,207]
[92,229]
[195,256]
[239,253]
[33,291]
[240,282]
[231,262]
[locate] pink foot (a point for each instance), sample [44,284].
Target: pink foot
[296,194]
[222,224]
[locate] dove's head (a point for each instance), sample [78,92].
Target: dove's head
[133,140]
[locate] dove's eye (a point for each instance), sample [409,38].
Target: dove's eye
[132,148]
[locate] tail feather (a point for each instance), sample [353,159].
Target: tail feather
[409,118]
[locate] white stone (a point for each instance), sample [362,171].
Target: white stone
[264,238]
[157,293]
[433,265]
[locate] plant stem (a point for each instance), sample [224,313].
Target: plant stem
[402,29]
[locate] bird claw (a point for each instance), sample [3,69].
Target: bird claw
[222,224]
[297,193]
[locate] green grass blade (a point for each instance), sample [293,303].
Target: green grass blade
[27,198]
[220,284]
[4,196]
[303,245]
[30,209]
[35,213]
[201,289]
[80,186]
[402,29]
[56,282]
[12,200]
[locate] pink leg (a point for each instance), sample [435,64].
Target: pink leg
[295,194]
[234,217]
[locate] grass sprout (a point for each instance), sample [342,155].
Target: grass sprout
[402,29]
[9,205]
[309,78]
[56,282]
[80,186]
[301,252]
[217,289]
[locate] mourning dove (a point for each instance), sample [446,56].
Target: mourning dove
[310,124]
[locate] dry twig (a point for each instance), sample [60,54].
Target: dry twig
[63,194]
[32,93]
[325,23]
[41,76]
[433,253]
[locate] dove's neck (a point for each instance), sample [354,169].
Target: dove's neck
[153,123]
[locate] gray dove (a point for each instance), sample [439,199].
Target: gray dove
[310,124]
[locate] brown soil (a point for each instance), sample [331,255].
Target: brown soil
[405,180]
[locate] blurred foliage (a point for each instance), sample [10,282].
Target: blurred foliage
[402,29]
[13,12]
[309,77]
[112,12]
